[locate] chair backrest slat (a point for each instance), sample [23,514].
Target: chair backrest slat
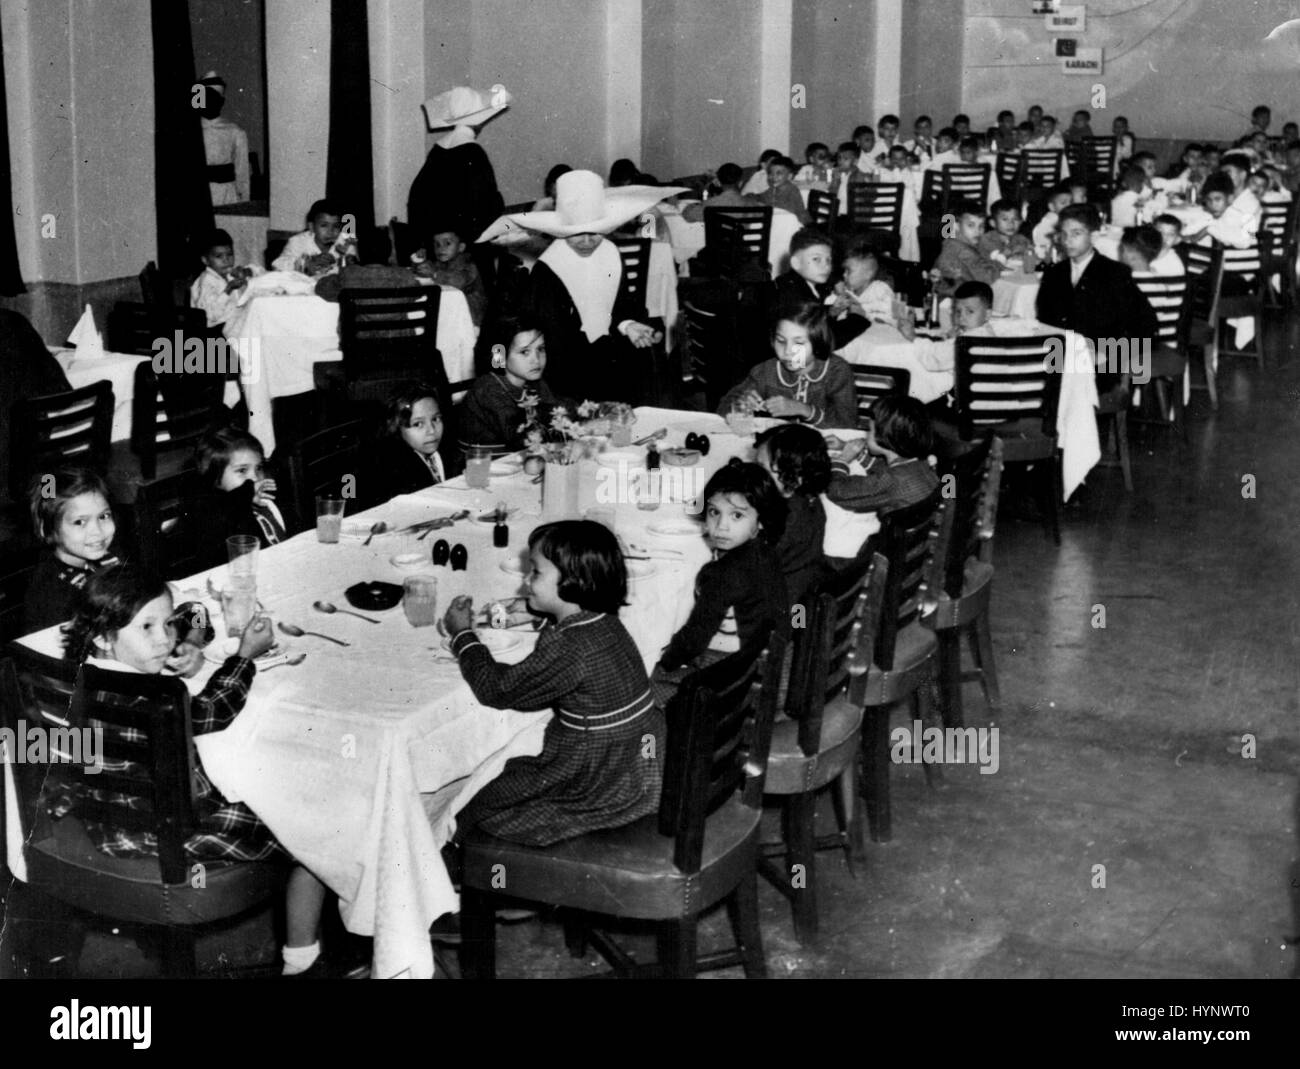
[964,182]
[741,232]
[821,206]
[1000,380]
[320,462]
[909,542]
[876,205]
[635,253]
[75,426]
[873,381]
[1167,296]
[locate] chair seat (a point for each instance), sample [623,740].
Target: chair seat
[622,872]
[791,771]
[67,867]
[976,587]
[913,650]
[1167,363]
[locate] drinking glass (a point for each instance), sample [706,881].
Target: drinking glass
[620,431]
[241,552]
[238,606]
[329,518]
[478,466]
[648,490]
[741,419]
[420,600]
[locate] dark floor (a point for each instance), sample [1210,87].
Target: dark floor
[1119,746]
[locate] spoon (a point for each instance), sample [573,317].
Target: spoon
[377,528]
[326,607]
[296,659]
[298,632]
[462,514]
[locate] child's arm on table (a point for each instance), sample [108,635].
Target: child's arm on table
[712,599]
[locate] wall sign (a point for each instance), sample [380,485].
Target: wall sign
[1084,61]
[1071,19]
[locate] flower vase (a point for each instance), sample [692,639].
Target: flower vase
[560,485]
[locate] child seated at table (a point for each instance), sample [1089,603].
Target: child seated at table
[124,621]
[72,519]
[728,195]
[1043,218]
[1023,134]
[1167,261]
[237,496]
[741,594]
[921,144]
[1045,136]
[972,305]
[899,438]
[1004,242]
[861,298]
[781,192]
[804,380]
[945,150]
[323,248]
[960,259]
[601,760]
[1131,198]
[1138,248]
[812,260]
[796,459]
[816,171]
[756,177]
[409,455]
[1228,225]
[514,393]
[1079,128]
[217,289]
[452,265]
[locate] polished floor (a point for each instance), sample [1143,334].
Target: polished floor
[1143,818]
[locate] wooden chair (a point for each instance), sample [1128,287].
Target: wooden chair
[635,253]
[170,412]
[388,337]
[872,381]
[738,238]
[817,745]
[969,513]
[904,662]
[1074,158]
[74,427]
[16,567]
[821,206]
[1098,158]
[137,328]
[1040,168]
[1279,221]
[1167,296]
[964,183]
[711,350]
[166,543]
[1112,420]
[876,206]
[1243,292]
[1004,385]
[322,464]
[157,897]
[1204,283]
[1007,169]
[701,848]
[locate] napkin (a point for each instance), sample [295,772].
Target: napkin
[291,283]
[85,337]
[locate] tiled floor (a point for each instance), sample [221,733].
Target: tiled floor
[1119,746]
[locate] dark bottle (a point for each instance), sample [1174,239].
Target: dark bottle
[500,535]
[459,558]
[441,551]
[651,458]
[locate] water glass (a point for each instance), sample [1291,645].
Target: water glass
[241,552]
[238,606]
[329,519]
[620,432]
[478,466]
[420,600]
[648,489]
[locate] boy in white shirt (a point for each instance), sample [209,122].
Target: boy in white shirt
[1228,225]
[972,304]
[922,143]
[1167,261]
[865,138]
[1236,166]
[322,249]
[1047,137]
[217,289]
[945,150]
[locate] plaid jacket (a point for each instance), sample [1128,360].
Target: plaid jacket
[884,488]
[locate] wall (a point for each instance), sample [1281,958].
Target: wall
[1177,68]
[832,46]
[297,86]
[229,38]
[933,52]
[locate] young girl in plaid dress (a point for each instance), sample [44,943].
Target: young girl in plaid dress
[123,621]
[600,765]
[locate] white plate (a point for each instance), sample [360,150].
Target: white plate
[676,529]
[409,562]
[513,565]
[618,458]
[218,650]
[359,530]
[497,642]
[640,569]
[510,464]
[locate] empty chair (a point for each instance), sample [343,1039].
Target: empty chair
[16,569]
[1168,299]
[871,381]
[1244,285]
[387,336]
[962,183]
[817,745]
[700,849]
[1098,159]
[165,541]
[738,238]
[327,464]
[1040,168]
[876,205]
[170,412]
[74,427]
[1278,220]
[1004,385]
[821,206]
[1007,169]
[711,350]
[1204,283]
[143,328]
[967,523]
[146,721]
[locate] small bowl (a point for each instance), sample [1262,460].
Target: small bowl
[680,458]
[409,562]
[374,596]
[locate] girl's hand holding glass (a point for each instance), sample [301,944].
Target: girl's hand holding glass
[257,638]
[459,616]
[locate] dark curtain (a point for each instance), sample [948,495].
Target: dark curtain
[11,276]
[184,202]
[349,173]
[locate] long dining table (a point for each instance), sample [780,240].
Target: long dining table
[359,757]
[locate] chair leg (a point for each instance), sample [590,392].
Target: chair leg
[844,801]
[981,642]
[875,752]
[1049,490]
[478,951]
[951,708]
[575,936]
[678,941]
[1121,445]
[1211,357]
[742,908]
[923,705]
[801,863]
[177,947]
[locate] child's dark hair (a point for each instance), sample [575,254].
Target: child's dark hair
[553,176]
[887,119]
[106,604]
[807,237]
[862,249]
[970,142]
[849,146]
[903,426]
[811,316]
[968,207]
[754,484]
[860,131]
[505,327]
[960,118]
[215,449]
[767,156]
[1086,214]
[1238,160]
[783,161]
[1138,157]
[1085,114]
[947,132]
[920,119]
[1217,183]
[1145,239]
[589,560]
[729,174]
[1006,113]
[816,146]
[980,291]
[397,412]
[50,491]
[1165,219]
[623,173]
[799,457]
[324,206]
[1025,127]
[1133,179]
[216,239]
[1003,205]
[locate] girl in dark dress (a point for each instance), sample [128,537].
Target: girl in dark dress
[500,403]
[797,459]
[412,452]
[237,497]
[600,765]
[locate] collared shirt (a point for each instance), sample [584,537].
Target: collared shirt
[1079,266]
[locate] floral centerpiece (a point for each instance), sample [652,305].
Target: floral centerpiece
[562,440]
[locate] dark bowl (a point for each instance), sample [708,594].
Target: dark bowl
[374,595]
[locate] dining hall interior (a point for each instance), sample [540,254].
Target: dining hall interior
[756,488]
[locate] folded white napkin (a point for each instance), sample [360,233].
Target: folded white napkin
[85,336]
[293,283]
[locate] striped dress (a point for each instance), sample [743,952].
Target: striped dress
[601,764]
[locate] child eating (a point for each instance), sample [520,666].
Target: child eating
[1168,262]
[601,760]
[1004,243]
[452,266]
[804,381]
[217,289]
[899,439]
[321,249]
[960,259]
[513,393]
[862,297]
[781,191]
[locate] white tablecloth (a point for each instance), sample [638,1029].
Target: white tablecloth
[1076,421]
[284,336]
[688,238]
[115,368]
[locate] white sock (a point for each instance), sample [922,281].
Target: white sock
[299,959]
